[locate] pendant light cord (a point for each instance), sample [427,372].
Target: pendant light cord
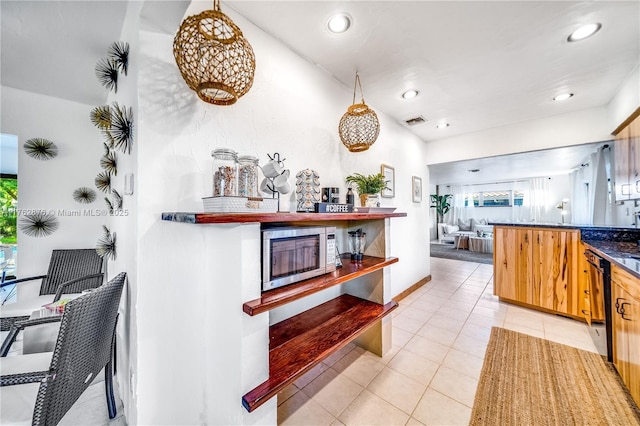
[355,87]
[216,5]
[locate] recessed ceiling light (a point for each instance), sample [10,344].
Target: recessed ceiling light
[563,97]
[409,94]
[442,125]
[584,32]
[339,23]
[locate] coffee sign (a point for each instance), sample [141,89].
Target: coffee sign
[333,208]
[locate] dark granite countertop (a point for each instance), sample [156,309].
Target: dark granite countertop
[591,228]
[621,253]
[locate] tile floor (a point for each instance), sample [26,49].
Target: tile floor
[440,334]
[91,408]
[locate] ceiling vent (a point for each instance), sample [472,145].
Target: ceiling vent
[415,121]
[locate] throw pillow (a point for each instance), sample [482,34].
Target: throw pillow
[464,226]
[450,229]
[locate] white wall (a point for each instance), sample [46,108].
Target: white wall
[626,101]
[125,225]
[195,273]
[580,127]
[49,185]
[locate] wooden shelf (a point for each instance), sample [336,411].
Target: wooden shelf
[299,343]
[280,296]
[188,217]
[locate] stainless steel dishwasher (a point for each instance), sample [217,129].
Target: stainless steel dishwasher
[600,273]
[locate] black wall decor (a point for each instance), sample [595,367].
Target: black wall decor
[40,149]
[117,199]
[103,182]
[39,224]
[106,246]
[109,162]
[101,117]
[107,73]
[119,54]
[84,195]
[121,132]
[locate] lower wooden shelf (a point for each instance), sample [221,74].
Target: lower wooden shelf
[299,343]
[350,270]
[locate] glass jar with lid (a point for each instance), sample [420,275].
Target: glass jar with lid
[248,169]
[225,172]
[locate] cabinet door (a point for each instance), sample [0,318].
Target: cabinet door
[512,264]
[572,283]
[525,291]
[632,312]
[556,271]
[617,328]
[590,289]
[504,262]
[625,295]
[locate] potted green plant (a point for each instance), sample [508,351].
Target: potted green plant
[367,185]
[442,205]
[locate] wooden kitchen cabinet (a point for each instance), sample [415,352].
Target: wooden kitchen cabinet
[625,305]
[591,291]
[627,158]
[539,267]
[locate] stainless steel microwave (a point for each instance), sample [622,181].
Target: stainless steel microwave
[295,253]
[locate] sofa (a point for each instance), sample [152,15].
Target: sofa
[471,227]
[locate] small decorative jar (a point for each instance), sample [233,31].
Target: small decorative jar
[225,172]
[248,169]
[373,200]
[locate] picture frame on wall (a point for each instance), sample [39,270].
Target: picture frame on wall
[416,189]
[389,174]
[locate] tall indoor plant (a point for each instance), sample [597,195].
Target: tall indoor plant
[367,185]
[442,205]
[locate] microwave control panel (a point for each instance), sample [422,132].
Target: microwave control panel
[331,249]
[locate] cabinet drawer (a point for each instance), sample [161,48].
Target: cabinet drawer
[627,281]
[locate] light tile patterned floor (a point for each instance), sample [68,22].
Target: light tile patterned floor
[440,334]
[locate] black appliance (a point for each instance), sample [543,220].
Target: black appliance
[600,270]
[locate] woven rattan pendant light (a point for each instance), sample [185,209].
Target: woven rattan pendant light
[214,58]
[359,126]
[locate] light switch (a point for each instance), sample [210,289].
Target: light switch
[128,184]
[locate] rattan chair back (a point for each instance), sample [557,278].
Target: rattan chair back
[83,348]
[66,265]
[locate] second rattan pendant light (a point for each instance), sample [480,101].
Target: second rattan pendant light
[359,126]
[214,58]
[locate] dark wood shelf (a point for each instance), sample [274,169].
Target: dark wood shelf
[202,218]
[299,343]
[280,296]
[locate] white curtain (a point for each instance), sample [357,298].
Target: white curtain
[579,200]
[535,201]
[590,198]
[599,201]
[458,208]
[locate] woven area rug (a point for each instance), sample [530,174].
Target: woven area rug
[531,381]
[448,251]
